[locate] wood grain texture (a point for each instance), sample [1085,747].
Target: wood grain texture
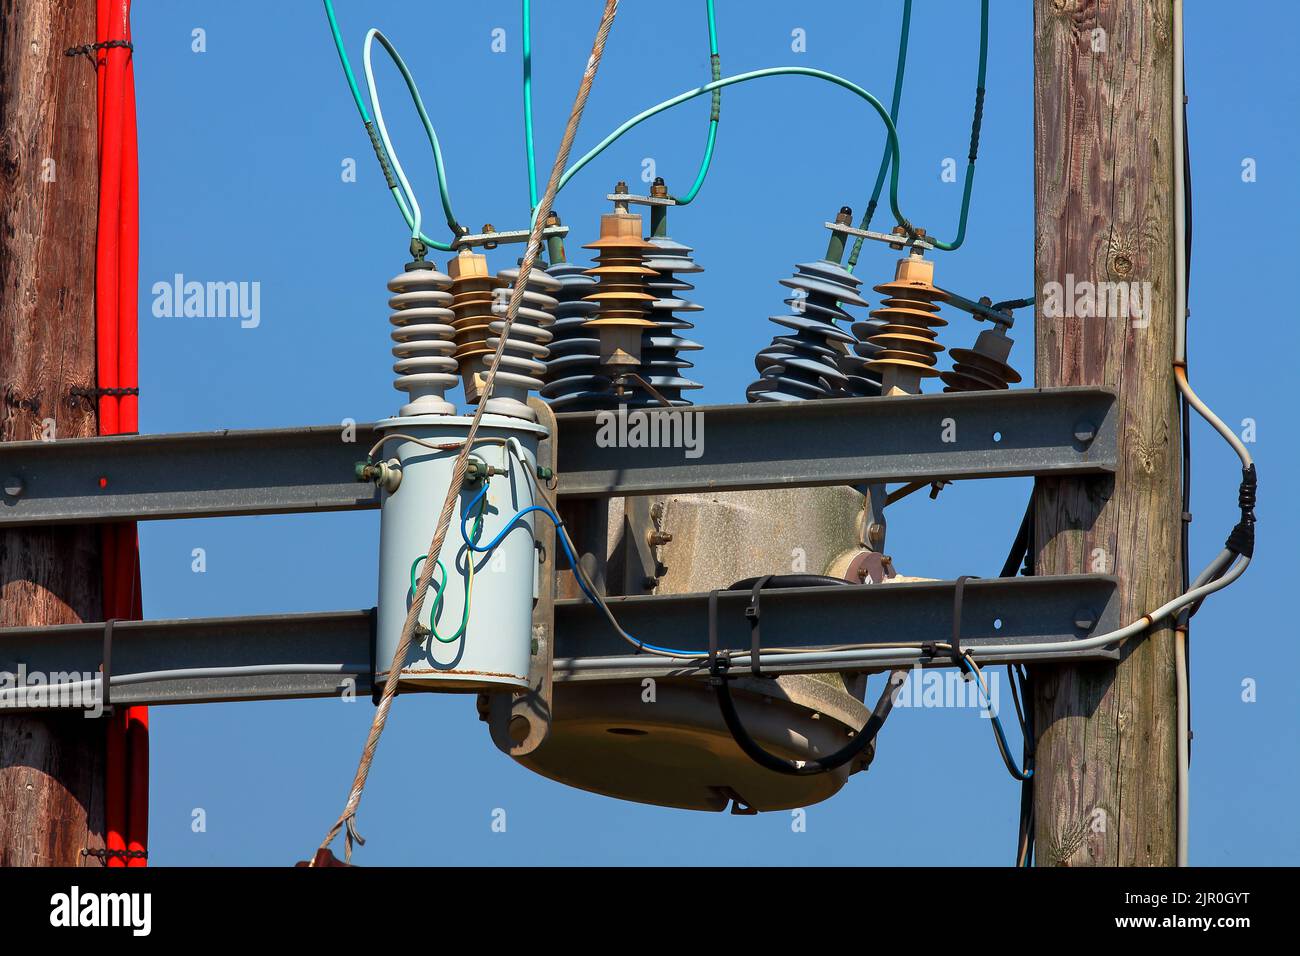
[1105,775]
[51,767]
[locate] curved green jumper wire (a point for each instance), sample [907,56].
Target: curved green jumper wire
[715,65]
[875,104]
[530,153]
[528,104]
[394,187]
[870,211]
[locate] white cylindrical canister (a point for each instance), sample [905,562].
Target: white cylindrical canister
[492,650]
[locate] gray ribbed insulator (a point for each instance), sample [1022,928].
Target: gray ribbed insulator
[523,362]
[573,379]
[805,364]
[858,382]
[660,361]
[423,338]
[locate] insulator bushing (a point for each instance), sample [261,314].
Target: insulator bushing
[523,361]
[574,382]
[423,339]
[661,362]
[983,368]
[620,292]
[858,381]
[904,348]
[473,291]
[805,364]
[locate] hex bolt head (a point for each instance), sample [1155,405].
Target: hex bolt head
[1085,619]
[1085,432]
[14,486]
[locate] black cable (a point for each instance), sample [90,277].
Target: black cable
[788,581]
[1186,420]
[1022,554]
[865,737]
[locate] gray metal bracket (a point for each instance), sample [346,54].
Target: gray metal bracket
[1060,609]
[1063,431]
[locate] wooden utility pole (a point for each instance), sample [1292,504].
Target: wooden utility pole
[51,766]
[1105,777]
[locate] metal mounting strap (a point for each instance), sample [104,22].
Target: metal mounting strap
[957,657]
[106,668]
[752,614]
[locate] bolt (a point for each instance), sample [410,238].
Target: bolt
[1085,432]
[875,532]
[660,537]
[1084,619]
[487,227]
[845,216]
[659,189]
[14,486]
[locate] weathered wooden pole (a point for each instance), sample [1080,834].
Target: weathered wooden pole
[51,766]
[1105,779]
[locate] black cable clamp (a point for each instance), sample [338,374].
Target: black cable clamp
[104,854]
[106,668]
[1242,539]
[719,661]
[752,615]
[957,595]
[88,50]
[101,392]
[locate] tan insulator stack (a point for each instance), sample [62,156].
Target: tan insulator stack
[473,291]
[908,336]
[620,290]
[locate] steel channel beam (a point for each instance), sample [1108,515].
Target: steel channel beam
[188,475]
[335,637]
[848,441]
[1031,609]
[802,444]
[994,611]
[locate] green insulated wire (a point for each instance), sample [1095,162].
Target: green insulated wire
[406,202]
[870,211]
[528,105]
[744,78]
[715,66]
[976,121]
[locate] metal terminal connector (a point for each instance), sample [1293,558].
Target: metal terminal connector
[490,239]
[476,470]
[386,474]
[895,240]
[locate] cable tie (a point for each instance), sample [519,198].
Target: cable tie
[101,392]
[958,593]
[104,853]
[976,123]
[88,50]
[381,155]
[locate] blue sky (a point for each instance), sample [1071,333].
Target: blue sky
[241,152]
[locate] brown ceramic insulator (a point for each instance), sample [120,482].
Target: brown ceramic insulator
[983,368]
[908,324]
[621,291]
[473,292]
